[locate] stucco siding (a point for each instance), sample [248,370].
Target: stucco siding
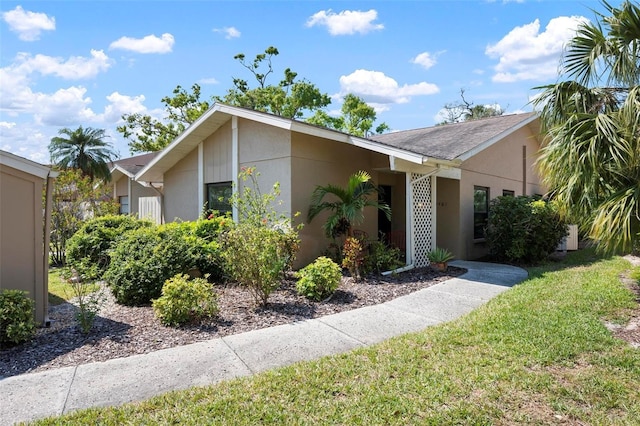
[122,187]
[320,162]
[21,238]
[217,156]
[448,206]
[499,167]
[181,189]
[137,191]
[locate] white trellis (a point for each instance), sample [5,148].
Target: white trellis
[422,210]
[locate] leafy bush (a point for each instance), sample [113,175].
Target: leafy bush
[263,246]
[185,301]
[319,279]
[523,229]
[144,259]
[381,258]
[16,317]
[353,256]
[203,238]
[254,257]
[87,250]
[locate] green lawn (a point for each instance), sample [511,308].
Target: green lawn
[537,354]
[60,290]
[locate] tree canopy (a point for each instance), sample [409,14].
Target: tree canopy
[591,157]
[83,149]
[464,110]
[357,118]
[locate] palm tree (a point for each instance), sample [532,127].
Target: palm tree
[591,157]
[83,149]
[347,208]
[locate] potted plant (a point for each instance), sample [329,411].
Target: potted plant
[439,258]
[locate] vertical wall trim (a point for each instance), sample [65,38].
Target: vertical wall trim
[409,219]
[235,161]
[200,177]
[524,170]
[129,194]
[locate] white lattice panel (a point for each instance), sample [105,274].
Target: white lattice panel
[422,218]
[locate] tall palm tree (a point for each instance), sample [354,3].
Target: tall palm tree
[347,206]
[83,149]
[591,157]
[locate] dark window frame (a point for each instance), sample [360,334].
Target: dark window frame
[213,192]
[480,215]
[508,193]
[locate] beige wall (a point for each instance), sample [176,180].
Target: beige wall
[181,189]
[498,167]
[21,236]
[217,156]
[448,233]
[316,162]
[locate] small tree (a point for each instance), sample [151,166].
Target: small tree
[75,199]
[348,204]
[263,244]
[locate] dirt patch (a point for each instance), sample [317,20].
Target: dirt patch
[121,331]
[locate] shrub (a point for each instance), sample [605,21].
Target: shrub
[254,258]
[185,301]
[87,250]
[382,258]
[523,229]
[319,279]
[144,259]
[440,255]
[16,317]
[353,256]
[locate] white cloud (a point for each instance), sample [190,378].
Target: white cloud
[28,24]
[426,60]
[528,54]
[377,88]
[65,107]
[74,68]
[229,32]
[7,124]
[210,80]
[122,104]
[346,22]
[148,44]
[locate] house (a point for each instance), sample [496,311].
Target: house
[24,228]
[143,199]
[438,181]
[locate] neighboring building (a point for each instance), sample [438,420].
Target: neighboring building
[24,228]
[437,180]
[141,199]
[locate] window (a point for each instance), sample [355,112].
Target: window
[508,193]
[124,204]
[480,210]
[218,197]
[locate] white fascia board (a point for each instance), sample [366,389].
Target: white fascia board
[486,144]
[122,170]
[25,165]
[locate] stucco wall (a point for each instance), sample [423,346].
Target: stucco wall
[181,189]
[320,162]
[137,191]
[448,216]
[498,167]
[21,237]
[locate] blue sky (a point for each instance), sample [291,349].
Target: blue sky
[71,63]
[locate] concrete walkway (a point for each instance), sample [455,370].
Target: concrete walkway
[31,396]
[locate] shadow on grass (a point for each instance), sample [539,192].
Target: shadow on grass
[46,344]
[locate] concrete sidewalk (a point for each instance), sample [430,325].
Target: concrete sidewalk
[31,396]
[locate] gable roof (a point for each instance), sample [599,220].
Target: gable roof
[25,165]
[219,114]
[132,165]
[457,141]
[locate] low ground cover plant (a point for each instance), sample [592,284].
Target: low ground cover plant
[16,317]
[319,279]
[185,300]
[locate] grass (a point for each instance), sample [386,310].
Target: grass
[60,291]
[537,354]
